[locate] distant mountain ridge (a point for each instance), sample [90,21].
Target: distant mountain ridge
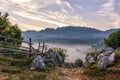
[69,34]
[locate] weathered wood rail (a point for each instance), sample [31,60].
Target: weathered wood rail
[6,46]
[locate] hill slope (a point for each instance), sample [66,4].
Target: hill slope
[69,34]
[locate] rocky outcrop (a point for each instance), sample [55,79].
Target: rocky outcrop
[106,58]
[49,59]
[54,58]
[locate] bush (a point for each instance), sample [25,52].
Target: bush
[69,65]
[93,66]
[96,72]
[117,55]
[113,40]
[78,63]
[9,30]
[61,52]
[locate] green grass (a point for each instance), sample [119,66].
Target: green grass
[5,61]
[20,62]
[117,55]
[96,72]
[114,71]
[12,65]
[11,70]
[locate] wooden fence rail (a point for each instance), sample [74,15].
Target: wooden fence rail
[7,46]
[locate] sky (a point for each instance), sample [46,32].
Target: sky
[41,14]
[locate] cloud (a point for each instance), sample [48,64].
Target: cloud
[58,13]
[18,1]
[65,11]
[108,11]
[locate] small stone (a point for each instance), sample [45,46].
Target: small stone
[32,68]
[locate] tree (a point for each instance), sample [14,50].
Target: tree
[113,40]
[9,30]
[4,22]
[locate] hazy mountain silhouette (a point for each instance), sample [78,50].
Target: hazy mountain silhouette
[69,34]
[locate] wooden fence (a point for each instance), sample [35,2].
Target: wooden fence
[6,46]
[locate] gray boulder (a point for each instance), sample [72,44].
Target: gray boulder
[101,55]
[53,58]
[59,59]
[106,58]
[106,53]
[38,63]
[103,62]
[111,58]
[109,49]
[89,58]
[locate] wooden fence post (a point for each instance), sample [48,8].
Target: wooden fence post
[39,47]
[43,47]
[30,46]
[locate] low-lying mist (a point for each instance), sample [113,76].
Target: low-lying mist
[73,51]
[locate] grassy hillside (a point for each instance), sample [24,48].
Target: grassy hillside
[18,69]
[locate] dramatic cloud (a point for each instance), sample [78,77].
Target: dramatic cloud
[40,14]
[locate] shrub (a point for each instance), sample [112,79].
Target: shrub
[9,30]
[69,64]
[61,52]
[78,63]
[113,40]
[94,66]
[117,55]
[96,72]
